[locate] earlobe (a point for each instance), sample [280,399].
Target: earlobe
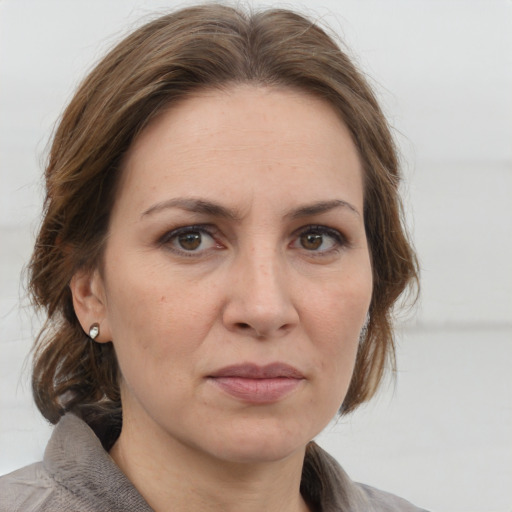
[88,292]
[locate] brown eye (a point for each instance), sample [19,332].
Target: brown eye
[190,241]
[311,241]
[319,240]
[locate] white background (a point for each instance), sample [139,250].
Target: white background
[442,437]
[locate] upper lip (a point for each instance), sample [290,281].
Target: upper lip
[254,371]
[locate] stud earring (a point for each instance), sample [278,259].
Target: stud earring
[94,330]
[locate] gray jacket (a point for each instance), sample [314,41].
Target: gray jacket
[77,474]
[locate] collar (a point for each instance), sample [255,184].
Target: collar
[76,460]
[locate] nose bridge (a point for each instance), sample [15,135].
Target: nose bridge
[260,301]
[263,271]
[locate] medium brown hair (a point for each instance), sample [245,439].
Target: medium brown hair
[210,46]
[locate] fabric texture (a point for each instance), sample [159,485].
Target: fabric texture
[78,475]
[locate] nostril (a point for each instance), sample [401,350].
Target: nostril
[242,325]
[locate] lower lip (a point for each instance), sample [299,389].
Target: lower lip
[258,391]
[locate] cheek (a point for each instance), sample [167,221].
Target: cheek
[158,324]
[337,318]
[341,305]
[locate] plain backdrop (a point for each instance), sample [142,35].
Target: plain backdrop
[442,435]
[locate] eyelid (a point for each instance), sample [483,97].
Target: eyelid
[321,228]
[166,239]
[171,233]
[340,239]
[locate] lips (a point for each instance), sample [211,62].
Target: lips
[253,371]
[258,384]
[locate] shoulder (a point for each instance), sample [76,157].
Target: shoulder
[385,502]
[76,474]
[329,487]
[29,489]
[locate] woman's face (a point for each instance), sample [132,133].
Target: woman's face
[236,274]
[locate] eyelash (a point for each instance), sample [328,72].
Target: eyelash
[172,235]
[339,239]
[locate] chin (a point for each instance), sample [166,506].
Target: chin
[260,453]
[260,444]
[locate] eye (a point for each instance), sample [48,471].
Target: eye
[320,239]
[189,239]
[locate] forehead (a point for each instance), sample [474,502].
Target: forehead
[219,140]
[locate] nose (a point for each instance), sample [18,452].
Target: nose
[260,302]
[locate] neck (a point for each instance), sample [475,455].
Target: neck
[167,473]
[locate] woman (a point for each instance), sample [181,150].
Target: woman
[220,251]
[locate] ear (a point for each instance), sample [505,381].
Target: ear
[89,301]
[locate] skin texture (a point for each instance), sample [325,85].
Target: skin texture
[269,281]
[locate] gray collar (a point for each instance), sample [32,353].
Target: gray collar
[75,458]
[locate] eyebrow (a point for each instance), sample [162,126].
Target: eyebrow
[195,206]
[321,207]
[216,210]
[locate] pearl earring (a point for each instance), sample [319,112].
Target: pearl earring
[94,330]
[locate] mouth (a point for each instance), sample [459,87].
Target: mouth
[258,384]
